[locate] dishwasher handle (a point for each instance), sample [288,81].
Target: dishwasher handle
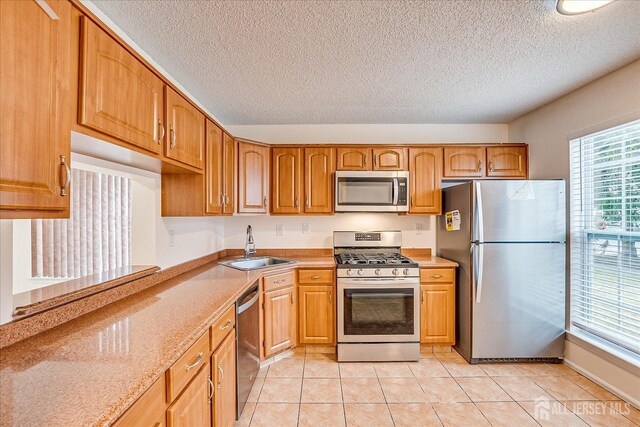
[248,299]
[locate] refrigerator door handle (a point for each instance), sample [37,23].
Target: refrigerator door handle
[479,212]
[479,273]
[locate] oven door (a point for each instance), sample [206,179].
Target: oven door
[378,310]
[371,191]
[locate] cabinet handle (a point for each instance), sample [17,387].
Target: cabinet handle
[226,199]
[411,200]
[314,277]
[308,202]
[279,281]
[422,297]
[211,389]
[374,161]
[293,298]
[226,325]
[479,166]
[172,133]
[264,202]
[365,160]
[436,276]
[490,165]
[196,363]
[295,202]
[330,297]
[221,199]
[161,133]
[221,375]
[63,163]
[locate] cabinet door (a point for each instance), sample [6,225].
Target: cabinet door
[316,314]
[437,313]
[214,169]
[224,380]
[148,410]
[507,162]
[286,180]
[279,320]
[119,96]
[253,178]
[468,162]
[425,187]
[319,166]
[229,171]
[35,120]
[191,408]
[185,130]
[354,159]
[390,159]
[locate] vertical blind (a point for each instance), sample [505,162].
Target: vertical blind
[96,237]
[605,234]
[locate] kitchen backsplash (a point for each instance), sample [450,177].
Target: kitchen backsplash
[316,231]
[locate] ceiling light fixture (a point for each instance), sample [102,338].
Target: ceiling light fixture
[578,7]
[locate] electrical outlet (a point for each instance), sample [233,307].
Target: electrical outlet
[419,228]
[280,230]
[306,228]
[172,238]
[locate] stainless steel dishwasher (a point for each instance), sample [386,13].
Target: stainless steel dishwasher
[247,344]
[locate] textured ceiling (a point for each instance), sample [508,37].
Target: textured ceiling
[295,62]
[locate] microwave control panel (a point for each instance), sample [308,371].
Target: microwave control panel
[402,192]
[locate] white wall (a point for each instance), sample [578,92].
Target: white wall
[373,133]
[322,227]
[608,101]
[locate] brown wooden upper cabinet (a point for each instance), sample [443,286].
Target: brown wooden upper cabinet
[507,161]
[253,178]
[219,171]
[229,173]
[319,166]
[286,185]
[425,175]
[354,159]
[464,161]
[389,159]
[214,169]
[35,120]
[184,141]
[119,96]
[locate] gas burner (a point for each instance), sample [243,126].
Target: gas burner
[380,259]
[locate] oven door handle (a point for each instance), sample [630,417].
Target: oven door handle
[396,191]
[374,283]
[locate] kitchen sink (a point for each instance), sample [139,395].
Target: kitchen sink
[256,263]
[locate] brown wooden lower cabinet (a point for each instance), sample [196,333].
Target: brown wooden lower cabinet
[316,314]
[437,307]
[279,320]
[223,366]
[192,407]
[148,410]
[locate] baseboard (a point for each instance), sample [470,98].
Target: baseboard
[604,384]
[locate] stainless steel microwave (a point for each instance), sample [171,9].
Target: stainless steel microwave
[378,191]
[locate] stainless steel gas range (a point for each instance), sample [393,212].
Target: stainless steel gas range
[378,298]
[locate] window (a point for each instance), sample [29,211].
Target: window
[605,234]
[97,236]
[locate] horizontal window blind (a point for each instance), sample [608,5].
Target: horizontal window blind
[96,237]
[605,234]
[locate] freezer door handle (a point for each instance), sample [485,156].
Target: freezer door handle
[479,212]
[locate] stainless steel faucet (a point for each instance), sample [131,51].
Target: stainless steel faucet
[249,246]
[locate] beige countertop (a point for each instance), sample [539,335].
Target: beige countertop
[90,370]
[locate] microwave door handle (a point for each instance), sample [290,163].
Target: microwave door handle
[395,191]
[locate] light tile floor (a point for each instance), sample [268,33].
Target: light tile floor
[310,388]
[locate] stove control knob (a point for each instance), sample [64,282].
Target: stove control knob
[395,272]
[405,272]
[377,271]
[360,272]
[349,272]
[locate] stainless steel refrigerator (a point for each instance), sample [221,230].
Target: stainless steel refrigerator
[509,239]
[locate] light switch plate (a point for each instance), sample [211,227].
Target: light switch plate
[172,238]
[419,228]
[279,230]
[306,228]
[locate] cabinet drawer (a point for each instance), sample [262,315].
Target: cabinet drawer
[222,327]
[315,277]
[186,367]
[147,410]
[437,275]
[278,281]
